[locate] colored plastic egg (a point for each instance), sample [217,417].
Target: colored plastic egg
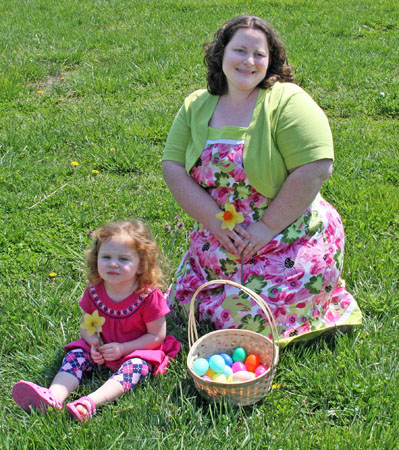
[217,364]
[227,359]
[210,373]
[243,375]
[227,371]
[205,377]
[220,377]
[252,362]
[260,370]
[239,354]
[238,366]
[200,366]
[230,379]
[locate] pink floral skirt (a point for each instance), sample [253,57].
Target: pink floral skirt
[298,273]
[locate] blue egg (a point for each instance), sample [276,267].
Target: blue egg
[227,371]
[201,366]
[217,363]
[227,359]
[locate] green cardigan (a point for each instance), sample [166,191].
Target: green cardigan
[287,130]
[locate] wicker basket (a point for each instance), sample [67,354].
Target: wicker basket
[225,341]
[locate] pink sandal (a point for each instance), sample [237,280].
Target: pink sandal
[27,395]
[82,409]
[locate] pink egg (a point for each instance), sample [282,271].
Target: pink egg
[238,366]
[243,375]
[205,377]
[260,370]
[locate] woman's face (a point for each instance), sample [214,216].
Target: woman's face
[245,59]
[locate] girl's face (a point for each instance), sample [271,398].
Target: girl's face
[245,59]
[118,264]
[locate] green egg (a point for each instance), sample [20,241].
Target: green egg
[239,355]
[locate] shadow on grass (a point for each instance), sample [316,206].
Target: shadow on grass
[328,339]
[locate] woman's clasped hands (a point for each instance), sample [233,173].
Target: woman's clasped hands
[246,241]
[260,235]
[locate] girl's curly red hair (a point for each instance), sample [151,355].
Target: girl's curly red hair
[139,238]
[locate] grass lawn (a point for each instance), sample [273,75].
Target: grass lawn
[99,82]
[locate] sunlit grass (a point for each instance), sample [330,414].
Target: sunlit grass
[88,91]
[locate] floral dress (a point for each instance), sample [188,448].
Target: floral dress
[297,274]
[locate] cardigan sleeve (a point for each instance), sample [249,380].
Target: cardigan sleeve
[303,134]
[178,138]
[188,134]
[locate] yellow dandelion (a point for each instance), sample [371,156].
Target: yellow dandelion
[95,171]
[52,274]
[112,149]
[230,217]
[276,386]
[74,163]
[40,92]
[93,323]
[59,100]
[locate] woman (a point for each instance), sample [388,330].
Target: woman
[246,159]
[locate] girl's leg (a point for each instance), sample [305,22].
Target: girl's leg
[30,395]
[63,384]
[126,378]
[108,392]
[75,363]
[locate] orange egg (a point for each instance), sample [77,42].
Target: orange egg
[252,362]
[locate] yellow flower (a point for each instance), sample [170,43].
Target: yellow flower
[40,92]
[52,274]
[95,171]
[276,386]
[92,323]
[74,163]
[112,149]
[230,217]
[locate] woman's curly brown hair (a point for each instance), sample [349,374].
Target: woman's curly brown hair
[139,238]
[278,70]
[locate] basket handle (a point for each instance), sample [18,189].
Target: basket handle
[192,328]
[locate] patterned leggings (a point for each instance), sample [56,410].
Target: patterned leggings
[131,372]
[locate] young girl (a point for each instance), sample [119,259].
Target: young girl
[129,307]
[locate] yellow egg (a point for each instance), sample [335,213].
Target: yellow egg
[230,379]
[210,373]
[220,377]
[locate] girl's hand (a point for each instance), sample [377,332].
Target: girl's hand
[260,235]
[112,351]
[96,355]
[234,241]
